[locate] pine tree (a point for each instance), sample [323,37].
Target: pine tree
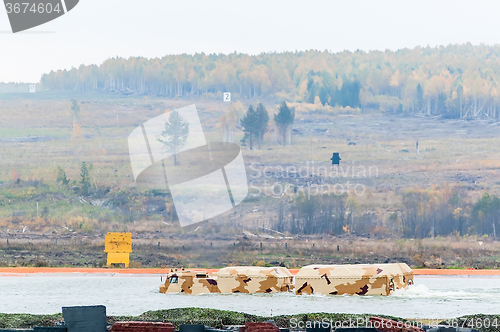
[250,125]
[175,134]
[85,177]
[420,97]
[61,176]
[284,119]
[262,122]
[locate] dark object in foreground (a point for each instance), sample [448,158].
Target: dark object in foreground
[323,328]
[85,319]
[192,328]
[335,159]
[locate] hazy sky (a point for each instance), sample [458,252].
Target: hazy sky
[98,29]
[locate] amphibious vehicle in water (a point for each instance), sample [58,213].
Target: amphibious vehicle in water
[234,279]
[360,279]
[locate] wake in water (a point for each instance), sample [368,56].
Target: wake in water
[413,292]
[422,291]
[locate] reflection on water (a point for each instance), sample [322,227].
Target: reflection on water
[430,297]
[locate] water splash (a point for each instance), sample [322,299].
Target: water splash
[422,291]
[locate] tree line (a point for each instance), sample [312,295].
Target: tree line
[420,213]
[452,81]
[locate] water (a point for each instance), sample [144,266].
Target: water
[430,297]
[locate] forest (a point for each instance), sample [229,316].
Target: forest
[448,186]
[455,81]
[440,211]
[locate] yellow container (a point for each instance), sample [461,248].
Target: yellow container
[118,246]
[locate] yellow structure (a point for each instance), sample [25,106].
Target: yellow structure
[118,246]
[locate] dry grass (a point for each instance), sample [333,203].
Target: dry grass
[164,249]
[464,154]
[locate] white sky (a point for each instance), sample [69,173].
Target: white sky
[98,29]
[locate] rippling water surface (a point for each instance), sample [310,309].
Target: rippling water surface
[430,297]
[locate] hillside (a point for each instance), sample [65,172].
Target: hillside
[454,81]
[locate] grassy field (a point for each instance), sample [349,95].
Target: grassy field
[378,154]
[212,250]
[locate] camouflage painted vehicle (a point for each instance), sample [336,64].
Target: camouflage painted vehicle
[238,279]
[360,279]
[190,282]
[253,279]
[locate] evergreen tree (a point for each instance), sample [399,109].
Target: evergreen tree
[175,134]
[249,123]
[420,97]
[262,122]
[84,173]
[349,94]
[85,177]
[284,119]
[61,176]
